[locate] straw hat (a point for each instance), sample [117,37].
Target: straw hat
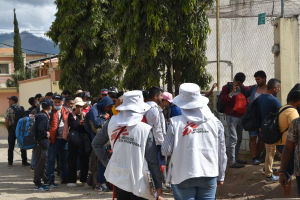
[78,101]
[79,91]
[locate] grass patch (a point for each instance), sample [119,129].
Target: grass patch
[3,123]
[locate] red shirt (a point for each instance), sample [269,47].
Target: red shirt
[86,110]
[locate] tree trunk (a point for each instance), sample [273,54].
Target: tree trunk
[177,76]
[170,78]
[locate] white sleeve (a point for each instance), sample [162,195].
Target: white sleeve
[221,151]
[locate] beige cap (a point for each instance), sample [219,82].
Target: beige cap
[79,91]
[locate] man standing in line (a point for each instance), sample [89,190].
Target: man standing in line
[12,116]
[267,104]
[155,118]
[58,146]
[134,150]
[233,119]
[169,108]
[252,93]
[196,142]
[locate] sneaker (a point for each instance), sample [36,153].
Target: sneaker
[9,164]
[25,164]
[41,188]
[64,182]
[272,179]
[32,168]
[104,188]
[165,188]
[237,165]
[71,185]
[274,170]
[259,159]
[51,185]
[241,162]
[85,185]
[98,187]
[256,161]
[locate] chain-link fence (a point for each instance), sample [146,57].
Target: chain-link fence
[244,45]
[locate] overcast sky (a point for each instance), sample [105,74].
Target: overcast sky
[35,16]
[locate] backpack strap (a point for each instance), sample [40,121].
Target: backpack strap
[287,107]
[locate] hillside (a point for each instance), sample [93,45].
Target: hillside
[30,41]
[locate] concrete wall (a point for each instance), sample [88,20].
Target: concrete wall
[31,87]
[4,93]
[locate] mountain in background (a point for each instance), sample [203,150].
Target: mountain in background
[31,42]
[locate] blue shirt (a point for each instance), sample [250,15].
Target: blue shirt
[175,111]
[267,103]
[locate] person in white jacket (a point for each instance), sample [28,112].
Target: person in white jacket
[196,143]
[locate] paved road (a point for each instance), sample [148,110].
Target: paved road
[16,182]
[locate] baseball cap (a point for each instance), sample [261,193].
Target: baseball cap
[113,89]
[104,91]
[47,102]
[79,91]
[167,96]
[49,94]
[38,96]
[14,98]
[85,94]
[57,97]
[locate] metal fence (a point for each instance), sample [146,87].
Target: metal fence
[245,45]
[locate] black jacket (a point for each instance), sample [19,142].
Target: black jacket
[41,128]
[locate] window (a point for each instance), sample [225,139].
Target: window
[4,68]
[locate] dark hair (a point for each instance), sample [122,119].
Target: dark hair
[69,98]
[45,107]
[294,96]
[273,82]
[31,100]
[145,94]
[49,94]
[240,77]
[119,94]
[113,95]
[66,92]
[260,74]
[154,91]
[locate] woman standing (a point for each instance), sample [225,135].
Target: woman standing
[76,124]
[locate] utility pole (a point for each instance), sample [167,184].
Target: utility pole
[218,45]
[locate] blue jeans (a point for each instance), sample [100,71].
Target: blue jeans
[32,160]
[101,170]
[235,130]
[60,146]
[195,189]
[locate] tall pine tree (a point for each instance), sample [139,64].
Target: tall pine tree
[18,58]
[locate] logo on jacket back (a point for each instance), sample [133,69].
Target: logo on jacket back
[116,132]
[191,127]
[125,137]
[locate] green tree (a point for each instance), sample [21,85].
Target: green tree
[18,75]
[88,50]
[18,58]
[162,36]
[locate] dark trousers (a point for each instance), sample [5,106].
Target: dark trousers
[40,167]
[124,195]
[11,146]
[74,152]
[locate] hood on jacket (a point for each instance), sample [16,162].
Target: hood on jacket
[106,101]
[202,114]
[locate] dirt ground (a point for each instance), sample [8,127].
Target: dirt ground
[16,182]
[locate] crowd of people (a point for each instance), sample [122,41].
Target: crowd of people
[145,143]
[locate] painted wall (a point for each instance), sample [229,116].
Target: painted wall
[31,87]
[4,94]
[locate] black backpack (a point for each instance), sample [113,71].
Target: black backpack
[19,114]
[220,105]
[250,119]
[270,132]
[167,111]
